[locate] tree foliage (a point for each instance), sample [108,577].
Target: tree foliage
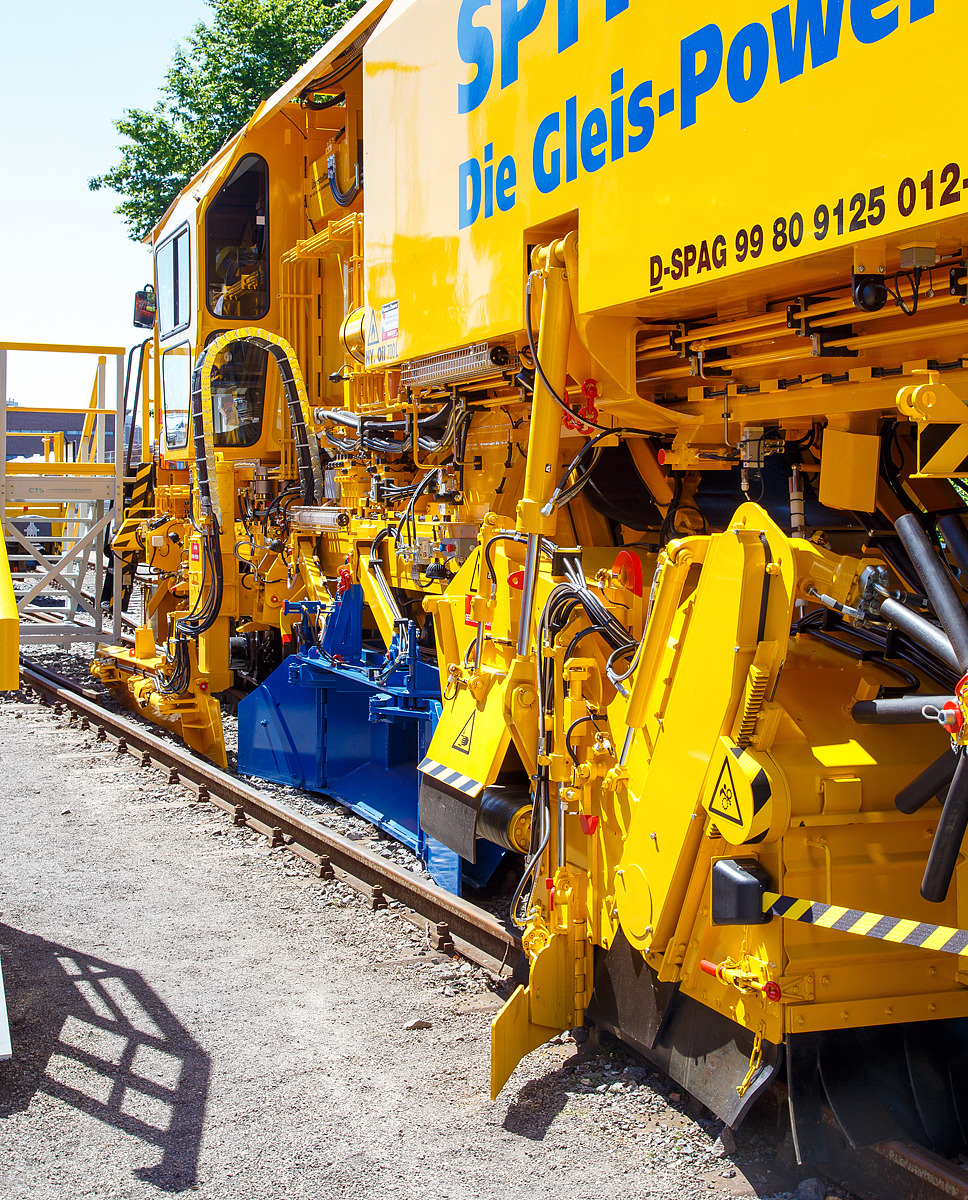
[215,82]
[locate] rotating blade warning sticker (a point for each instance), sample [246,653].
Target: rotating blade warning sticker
[725,800]
[462,742]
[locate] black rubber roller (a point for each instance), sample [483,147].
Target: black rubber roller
[899,710]
[932,781]
[948,836]
[937,584]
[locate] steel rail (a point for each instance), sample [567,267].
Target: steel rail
[476,933]
[896,1167]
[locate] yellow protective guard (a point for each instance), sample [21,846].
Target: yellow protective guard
[513,1036]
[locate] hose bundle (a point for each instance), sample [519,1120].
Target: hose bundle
[564,602]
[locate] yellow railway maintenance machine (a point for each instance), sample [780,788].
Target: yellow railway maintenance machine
[597,474]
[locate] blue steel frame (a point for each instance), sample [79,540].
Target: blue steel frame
[352,722]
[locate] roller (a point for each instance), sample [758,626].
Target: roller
[505,817]
[904,710]
[948,836]
[934,779]
[937,585]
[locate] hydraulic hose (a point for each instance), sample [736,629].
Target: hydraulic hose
[343,199]
[956,539]
[949,835]
[938,588]
[933,780]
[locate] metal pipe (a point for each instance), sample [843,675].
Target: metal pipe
[798,525]
[948,836]
[937,586]
[544,434]
[933,780]
[532,562]
[562,813]
[903,710]
[919,630]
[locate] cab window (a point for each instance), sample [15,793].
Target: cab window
[236,244]
[176,381]
[173,283]
[239,394]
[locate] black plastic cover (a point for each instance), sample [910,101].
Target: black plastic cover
[738,887]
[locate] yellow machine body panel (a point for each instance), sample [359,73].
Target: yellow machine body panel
[566,404]
[692,136]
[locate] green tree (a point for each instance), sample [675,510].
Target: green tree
[214,84]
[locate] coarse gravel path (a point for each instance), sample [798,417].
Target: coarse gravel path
[192,1012]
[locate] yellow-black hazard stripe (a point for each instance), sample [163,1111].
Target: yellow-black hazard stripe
[142,488]
[868,924]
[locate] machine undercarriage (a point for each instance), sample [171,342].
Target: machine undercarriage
[655,595]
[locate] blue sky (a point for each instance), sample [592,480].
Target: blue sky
[68,271]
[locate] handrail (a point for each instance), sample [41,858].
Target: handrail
[61,468]
[21,408]
[57,348]
[60,481]
[9,627]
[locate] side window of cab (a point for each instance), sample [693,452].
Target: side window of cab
[173,282]
[237,242]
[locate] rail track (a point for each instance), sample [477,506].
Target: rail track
[897,1168]
[454,923]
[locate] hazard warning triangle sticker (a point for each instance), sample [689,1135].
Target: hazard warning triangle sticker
[462,743]
[725,801]
[372,332]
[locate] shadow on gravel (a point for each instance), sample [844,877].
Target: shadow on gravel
[96,1037]
[537,1104]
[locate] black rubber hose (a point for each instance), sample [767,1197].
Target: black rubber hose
[902,710]
[937,586]
[571,729]
[343,199]
[932,781]
[948,836]
[919,630]
[956,539]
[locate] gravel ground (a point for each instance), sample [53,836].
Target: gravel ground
[74,665]
[193,1012]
